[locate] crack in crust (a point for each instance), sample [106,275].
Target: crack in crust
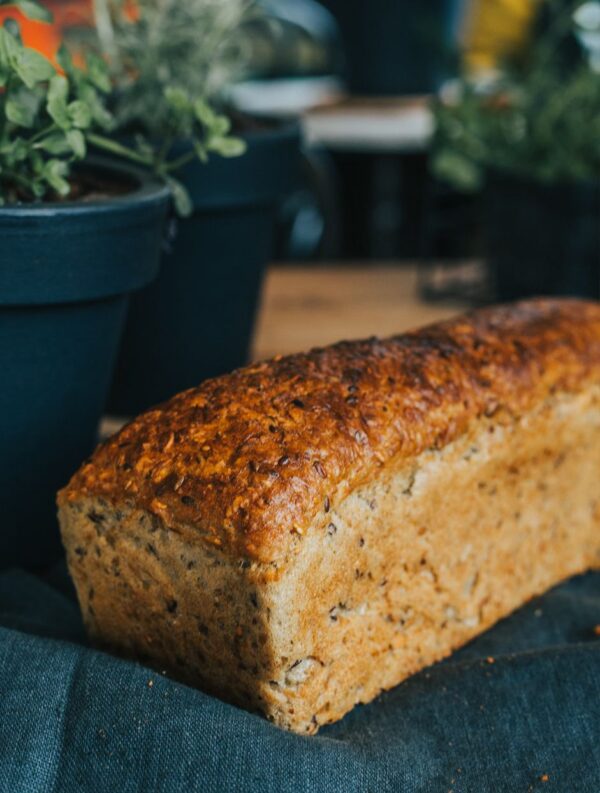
[247,461]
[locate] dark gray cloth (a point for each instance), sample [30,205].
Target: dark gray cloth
[75,719]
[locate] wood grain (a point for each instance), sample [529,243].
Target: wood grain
[305,307]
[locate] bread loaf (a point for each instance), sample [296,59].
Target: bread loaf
[303,533]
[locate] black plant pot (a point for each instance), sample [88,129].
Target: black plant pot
[395,47]
[542,239]
[196,320]
[65,274]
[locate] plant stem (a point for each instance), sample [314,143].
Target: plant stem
[42,133]
[175,165]
[9,176]
[164,150]
[106,33]
[158,166]
[119,149]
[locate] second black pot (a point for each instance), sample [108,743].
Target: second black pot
[542,239]
[196,320]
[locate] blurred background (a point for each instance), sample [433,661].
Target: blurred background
[459,136]
[450,157]
[451,149]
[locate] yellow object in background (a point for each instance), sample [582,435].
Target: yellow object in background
[496,29]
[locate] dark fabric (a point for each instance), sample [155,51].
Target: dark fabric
[74,719]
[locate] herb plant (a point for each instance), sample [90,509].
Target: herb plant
[47,119]
[539,119]
[168,62]
[159,91]
[29,8]
[156,46]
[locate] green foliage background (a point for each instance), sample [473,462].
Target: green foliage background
[193,47]
[539,119]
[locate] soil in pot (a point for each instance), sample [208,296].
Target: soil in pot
[196,320]
[86,185]
[65,274]
[542,239]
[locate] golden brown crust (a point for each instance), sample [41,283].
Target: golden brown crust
[249,460]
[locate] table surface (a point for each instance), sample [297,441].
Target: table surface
[304,307]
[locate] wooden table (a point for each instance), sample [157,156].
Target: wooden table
[304,307]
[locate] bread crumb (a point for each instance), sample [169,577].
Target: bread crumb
[597,630]
[150,683]
[490,659]
[544,778]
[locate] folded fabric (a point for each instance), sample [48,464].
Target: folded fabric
[516,710]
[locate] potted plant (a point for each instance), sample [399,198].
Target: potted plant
[528,137]
[171,64]
[78,235]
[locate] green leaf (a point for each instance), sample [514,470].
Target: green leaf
[204,113]
[33,68]
[21,108]
[57,108]
[178,100]
[454,168]
[10,49]
[220,126]
[54,172]
[39,188]
[227,147]
[200,150]
[56,143]
[30,9]
[36,160]
[97,72]
[76,141]
[100,115]
[65,61]
[13,151]
[181,198]
[80,114]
